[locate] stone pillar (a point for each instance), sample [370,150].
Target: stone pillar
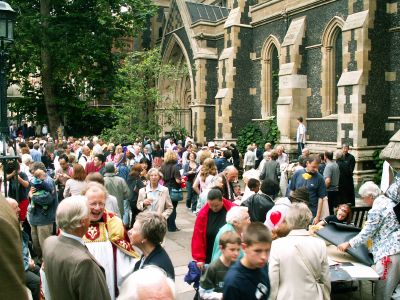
[292,101]
[199,106]
[352,86]
[236,22]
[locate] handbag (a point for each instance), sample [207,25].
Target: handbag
[176,194]
[323,290]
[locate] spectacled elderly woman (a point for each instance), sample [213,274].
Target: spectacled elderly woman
[147,234]
[237,220]
[298,264]
[383,228]
[154,196]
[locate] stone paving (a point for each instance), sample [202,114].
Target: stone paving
[177,244]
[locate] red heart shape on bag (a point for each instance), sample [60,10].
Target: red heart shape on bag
[275,217]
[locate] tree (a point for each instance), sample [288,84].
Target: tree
[74,47]
[137,96]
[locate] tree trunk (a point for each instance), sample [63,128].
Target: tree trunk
[46,72]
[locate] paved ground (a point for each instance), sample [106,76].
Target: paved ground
[177,245]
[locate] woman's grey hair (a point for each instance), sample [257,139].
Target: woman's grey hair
[70,212]
[369,189]
[235,214]
[154,170]
[153,226]
[144,279]
[299,216]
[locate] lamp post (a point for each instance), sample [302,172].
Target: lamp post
[7,18]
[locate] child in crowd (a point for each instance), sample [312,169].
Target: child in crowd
[42,193]
[212,281]
[252,187]
[248,278]
[343,215]
[238,193]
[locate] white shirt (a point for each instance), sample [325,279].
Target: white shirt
[301,133]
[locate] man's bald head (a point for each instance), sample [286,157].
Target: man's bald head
[14,205]
[231,173]
[86,150]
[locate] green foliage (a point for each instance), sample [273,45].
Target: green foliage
[84,39]
[378,166]
[179,133]
[137,96]
[259,133]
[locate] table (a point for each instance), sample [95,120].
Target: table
[343,267]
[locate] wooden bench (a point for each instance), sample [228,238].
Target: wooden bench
[360,214]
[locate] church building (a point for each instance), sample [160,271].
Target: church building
[333,62]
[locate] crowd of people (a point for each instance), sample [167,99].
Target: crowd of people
[90,209]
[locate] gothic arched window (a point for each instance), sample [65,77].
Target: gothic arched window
[270,76]
[332,65]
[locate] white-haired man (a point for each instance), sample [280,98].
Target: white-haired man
[71,271]
[151,282]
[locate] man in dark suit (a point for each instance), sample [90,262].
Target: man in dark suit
[71,271]
[348,158]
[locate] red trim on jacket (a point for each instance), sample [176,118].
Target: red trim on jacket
[199,238]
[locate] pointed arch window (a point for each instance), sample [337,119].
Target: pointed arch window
[332,65]
[270,76]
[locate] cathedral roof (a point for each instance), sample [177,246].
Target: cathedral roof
[203,12]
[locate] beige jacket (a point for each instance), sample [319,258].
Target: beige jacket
[288,272]
[164,204]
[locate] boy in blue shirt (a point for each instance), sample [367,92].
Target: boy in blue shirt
[248,278]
